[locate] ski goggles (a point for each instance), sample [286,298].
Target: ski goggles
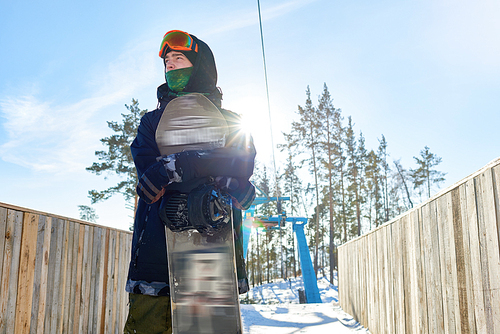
[179,41]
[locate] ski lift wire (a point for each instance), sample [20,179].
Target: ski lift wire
[268,102]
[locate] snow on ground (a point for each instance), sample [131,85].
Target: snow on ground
[274,308]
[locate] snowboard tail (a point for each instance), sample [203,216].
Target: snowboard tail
[203,282]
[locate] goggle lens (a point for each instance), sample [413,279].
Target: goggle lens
[176,40]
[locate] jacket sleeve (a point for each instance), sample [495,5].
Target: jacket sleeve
[244,195]
[151,173]
[144,149]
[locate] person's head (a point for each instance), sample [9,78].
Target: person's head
[178,51]
[189,65]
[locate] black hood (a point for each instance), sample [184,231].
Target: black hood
[203,79]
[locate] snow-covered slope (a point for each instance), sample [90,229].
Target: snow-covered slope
[274,308]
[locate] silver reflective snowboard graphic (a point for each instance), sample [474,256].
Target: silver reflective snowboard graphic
[203,284]
[202,268]
[190,122]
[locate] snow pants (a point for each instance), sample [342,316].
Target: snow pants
[148,315]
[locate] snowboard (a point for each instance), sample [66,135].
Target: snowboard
[199,228]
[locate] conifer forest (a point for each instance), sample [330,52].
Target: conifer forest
[344,188]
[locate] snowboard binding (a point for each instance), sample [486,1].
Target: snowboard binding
[206,209]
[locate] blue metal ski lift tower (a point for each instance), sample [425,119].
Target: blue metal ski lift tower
[275,222]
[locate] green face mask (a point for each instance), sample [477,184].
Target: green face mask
[178,79]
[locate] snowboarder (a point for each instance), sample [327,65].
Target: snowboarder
[189,68]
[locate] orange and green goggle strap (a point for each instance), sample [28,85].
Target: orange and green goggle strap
[177,40]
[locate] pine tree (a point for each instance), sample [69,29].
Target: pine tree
[308,130]
[424,175]
[356,154]
[339,132]
[263,183]
[292,184]
[88,213]
[118,157]
[404,176]
[361,163]
[373,184]
[384,166]
[329,116]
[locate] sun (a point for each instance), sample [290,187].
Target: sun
[255,122]
[258,127]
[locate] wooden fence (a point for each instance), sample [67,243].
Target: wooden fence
[435,269]
[60,275]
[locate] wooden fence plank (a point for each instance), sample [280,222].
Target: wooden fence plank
[110,284]
[86,271]
[94,279]
[495,225]
[122,278]
[15,249]
[102,272]
[56,266]
[348,296]
[412,275]
[461,267]
[3,227]
[351,281]
[381,269]
[399,296]
[369,287]
[370,283]
[115,283]
[7,228]
[105,282]
[78,280]
[126,255]
[468,257]
[432,269]
[367,273]
[448,264]
[352,296]
[72,281]
[45,233]
[363,270]
[26,273]
[406,273]
[90,250]
[420,267]
[63,302]
[376,283]
[475,253]
[68,280]
[452,263]
[38,272]
[49,303]
[388,277]
[490,257]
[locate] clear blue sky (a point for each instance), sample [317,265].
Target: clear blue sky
[419,72]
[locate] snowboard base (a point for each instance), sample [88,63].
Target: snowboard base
[203,282]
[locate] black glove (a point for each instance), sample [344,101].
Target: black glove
[156,177]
